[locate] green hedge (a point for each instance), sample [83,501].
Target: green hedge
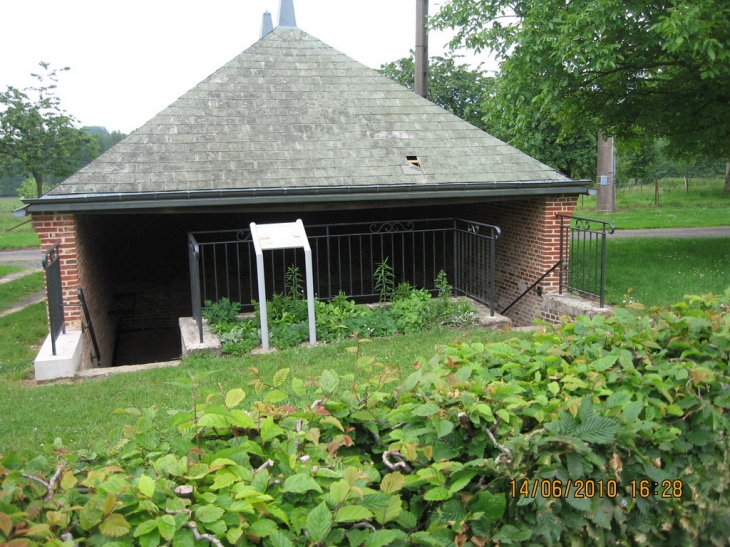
[607,431]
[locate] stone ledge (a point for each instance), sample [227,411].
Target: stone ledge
[190,338]
[571,305]
[66,361]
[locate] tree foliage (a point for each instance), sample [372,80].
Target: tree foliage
[37,137]
[452,85]
[632,67]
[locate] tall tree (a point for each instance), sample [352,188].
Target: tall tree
[630,68]
[37,137]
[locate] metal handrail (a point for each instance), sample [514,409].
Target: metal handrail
[89,325]
[585,249]
[543,276]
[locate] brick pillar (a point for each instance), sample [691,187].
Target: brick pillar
[62,227]
[549,238]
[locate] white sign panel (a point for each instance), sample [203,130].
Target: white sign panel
[288,235]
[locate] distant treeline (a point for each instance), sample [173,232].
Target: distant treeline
[9,185]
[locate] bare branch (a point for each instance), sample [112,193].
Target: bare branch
[267,463]
[49,486]
[533,433]
[199,537]
[399,465]
[506,455]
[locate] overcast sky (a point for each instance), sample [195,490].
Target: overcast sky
[130,59]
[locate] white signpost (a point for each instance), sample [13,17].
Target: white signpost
[288,235]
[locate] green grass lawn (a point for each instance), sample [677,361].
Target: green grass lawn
[660,272]
[17,238]
[20,289]
[704,205]
[81,413]
[7,270]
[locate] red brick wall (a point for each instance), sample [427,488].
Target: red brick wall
[528,247]
[57,227]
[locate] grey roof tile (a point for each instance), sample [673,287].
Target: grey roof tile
[291,111]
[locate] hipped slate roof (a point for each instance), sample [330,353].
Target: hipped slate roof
[291,118]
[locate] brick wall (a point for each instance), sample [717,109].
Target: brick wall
[528,247]
[52,228]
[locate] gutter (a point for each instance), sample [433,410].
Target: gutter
[295,195]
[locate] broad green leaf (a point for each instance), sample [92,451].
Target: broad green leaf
[353,513]
[109,503]
[300,483]
[235,397]
[298,387]
[392,482]
[332,421]
[424,538]
[443,427]
[232,535]
[597,429]
[269,430]
[329,381]
[428,409]
[146,485]
[146,527]
[214,420]
[279,539]
[280,377]
[603,363]
[319,522]
[461,482]
[275,396]
[511,534]
[437,494]
[339,490]
[242,419]
[223,479]
[209,513]
[263,527]
[384,537]
[115,525]
[632,411]
[504,414]
[492,505]
[166,526]
[618,399]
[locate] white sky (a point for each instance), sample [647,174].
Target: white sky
[130,59]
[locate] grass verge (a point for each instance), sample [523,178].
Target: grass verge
[704,204]
[21,236]
[20,289]
[21,333]
[81,413]
[660,272]
[7,270]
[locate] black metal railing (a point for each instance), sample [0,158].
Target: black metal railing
[345,256]
[54,292]
[89,325]
[583,256]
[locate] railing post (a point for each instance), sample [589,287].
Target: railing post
[194,265]
[54,292]
[603,266]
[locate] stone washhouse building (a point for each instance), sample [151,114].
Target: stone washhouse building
[288,129]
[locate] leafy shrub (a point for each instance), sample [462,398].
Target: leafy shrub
[558,440]
[222,311]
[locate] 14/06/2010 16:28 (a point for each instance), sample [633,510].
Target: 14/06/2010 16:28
[590,488]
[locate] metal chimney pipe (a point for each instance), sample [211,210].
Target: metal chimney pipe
[287,18]
[266,24]
[421,71]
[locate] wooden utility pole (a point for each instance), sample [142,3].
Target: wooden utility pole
[421,71]
[606,197]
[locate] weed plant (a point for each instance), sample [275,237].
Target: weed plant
[412,310]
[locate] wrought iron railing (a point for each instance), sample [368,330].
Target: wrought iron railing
[345,256]
[89,325]
[54,292]
[583,256]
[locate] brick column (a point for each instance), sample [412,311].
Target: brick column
[52,228]
[549,238]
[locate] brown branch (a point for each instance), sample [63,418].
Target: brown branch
[400,464]
[506,452]
[49,486]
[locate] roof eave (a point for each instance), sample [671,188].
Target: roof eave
[295,195]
